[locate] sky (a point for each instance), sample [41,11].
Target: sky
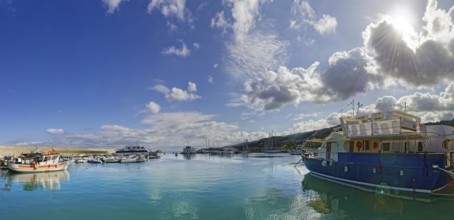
[170,73]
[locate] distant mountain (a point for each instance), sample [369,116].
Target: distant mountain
[287,141]
[450,123]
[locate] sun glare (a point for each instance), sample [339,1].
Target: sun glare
[401,19]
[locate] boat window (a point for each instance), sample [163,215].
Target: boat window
[447,144]
[362,130]
[396,126]
[420,146]
[375,129]
[351,146]
[367,145]
[385,146]
[384,128]
[354,130]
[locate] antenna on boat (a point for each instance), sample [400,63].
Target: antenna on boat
[353,105]
[357,110]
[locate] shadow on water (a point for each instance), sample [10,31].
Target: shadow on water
[344,202]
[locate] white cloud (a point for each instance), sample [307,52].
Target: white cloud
[417,62]
[304,15]
[244,12]
[345,77]
[29,143]
[153,107]
[254,54]
[171,129]
[327,24]
[177,94]
[112,5]
[196,45]
[161,89]
[220,22]
[55,131]
[169,8]
[211,79]
[192,87]
[183,51]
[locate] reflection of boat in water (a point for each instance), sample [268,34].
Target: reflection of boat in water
[47,180]
[39,162]
[344,202]
[390,150]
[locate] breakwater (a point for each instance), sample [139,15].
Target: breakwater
[65,151]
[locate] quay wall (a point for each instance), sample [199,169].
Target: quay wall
[65,151]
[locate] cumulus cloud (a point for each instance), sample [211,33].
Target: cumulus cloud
[422,61]
[172,50]
[177,94]
[169,8]
[346,76]
[153,107]
[386,56]
[112,5]
[327,24]
[55,131]
[304,15]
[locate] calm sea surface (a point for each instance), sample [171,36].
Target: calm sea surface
[258,186]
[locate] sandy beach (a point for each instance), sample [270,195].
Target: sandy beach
[17,150]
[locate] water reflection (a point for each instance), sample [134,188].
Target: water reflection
[34,181]
[345,202]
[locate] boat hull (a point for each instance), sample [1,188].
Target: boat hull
[29,168]
[402,172]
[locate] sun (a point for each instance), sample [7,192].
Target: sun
[402,19]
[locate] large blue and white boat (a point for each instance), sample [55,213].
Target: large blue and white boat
[391,151]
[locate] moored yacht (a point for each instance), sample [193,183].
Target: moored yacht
[188,150]
[392,151]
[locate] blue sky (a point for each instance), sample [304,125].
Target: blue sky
[167,73]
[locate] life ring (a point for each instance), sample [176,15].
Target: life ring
[375,145]
[359,145]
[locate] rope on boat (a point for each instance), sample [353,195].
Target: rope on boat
[299,161]
[450,173]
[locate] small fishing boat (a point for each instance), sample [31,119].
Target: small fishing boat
[112,160]
[95,160]
[132,159]
[38,162]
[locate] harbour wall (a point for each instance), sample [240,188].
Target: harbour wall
[66,151]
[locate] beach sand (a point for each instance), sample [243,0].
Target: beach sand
[66,151]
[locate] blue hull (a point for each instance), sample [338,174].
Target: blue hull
[403,172]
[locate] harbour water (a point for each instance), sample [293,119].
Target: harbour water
[257,186]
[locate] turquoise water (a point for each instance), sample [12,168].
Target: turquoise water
[259,186]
